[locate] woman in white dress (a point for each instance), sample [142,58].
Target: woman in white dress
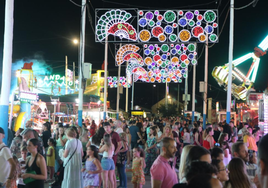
[72,171]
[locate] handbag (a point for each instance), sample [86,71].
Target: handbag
[29,180]
[60,173]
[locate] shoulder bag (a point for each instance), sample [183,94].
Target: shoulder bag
[60,173]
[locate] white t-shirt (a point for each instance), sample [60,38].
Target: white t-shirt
[186,137]
[159,134]
[5,155]
[119,130]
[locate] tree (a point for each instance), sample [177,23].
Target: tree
[171,110]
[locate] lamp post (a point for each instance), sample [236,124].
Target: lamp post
[54,102]
[99,104]
[81,60]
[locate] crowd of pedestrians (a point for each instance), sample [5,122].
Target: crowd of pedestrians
[173,152]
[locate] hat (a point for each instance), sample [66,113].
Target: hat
[26,131]
[106,124]
[2,130]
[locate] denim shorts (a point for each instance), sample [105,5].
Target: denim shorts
[107,164]
[2,185]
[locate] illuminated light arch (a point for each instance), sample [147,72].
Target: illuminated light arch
[114,22]
[126,50]
[139,72]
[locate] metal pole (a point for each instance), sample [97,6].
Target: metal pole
[74,75]
[186,93]
[81,61]
[68,114]
[118,91]
[132,100]
[166,97]
[206,85]
[193,93]
[231,38]
[66,75]
[105,79]
[127,94]
[178,105]
[54,114]
[7,63]
[11,110]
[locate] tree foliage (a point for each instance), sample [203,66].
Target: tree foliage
[171,110]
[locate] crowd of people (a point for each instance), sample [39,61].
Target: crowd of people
[169,150]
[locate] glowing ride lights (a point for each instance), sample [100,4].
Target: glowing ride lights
[115,22]
[220,73]
[265,100]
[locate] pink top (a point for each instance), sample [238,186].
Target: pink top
[162,171]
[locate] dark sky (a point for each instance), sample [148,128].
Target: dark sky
[48,27]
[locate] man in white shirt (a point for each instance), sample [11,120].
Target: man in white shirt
[7,164]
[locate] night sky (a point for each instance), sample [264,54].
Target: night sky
[46,29]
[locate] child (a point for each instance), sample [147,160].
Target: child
[92,168]
[138,164]
[129,143]
[51,157]
[16,172]
[22,162]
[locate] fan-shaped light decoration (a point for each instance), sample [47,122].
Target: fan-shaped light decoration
[114,22]
[126,52]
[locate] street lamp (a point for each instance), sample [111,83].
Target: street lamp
[75,41]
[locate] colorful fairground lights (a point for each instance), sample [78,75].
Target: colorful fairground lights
[164,26]
[162,62]
[113,82]
[220,73]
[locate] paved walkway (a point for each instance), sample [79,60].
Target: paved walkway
[129,184]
